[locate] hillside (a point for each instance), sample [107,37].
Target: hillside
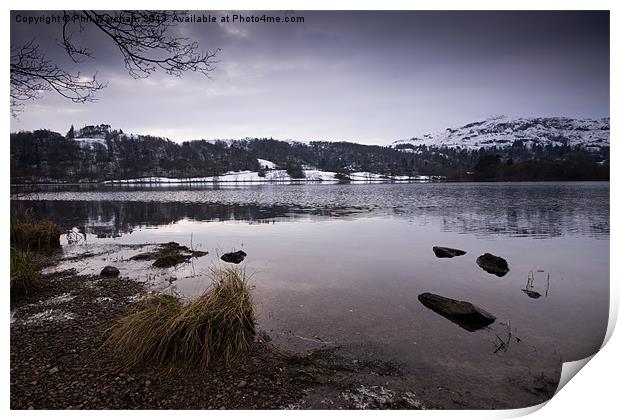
[541,148]
[501,132]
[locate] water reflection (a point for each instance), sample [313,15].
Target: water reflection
[346,264]
[530,287]
[543,210]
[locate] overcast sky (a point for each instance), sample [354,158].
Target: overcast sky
[370,77]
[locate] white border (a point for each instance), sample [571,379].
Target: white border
[593,394]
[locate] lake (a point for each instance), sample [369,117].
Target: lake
[343,265]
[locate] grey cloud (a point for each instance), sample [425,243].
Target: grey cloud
[360,76]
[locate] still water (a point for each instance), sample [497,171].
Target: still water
[343,265]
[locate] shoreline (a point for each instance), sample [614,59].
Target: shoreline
[58,361]
[301,182]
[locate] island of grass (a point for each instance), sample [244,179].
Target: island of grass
[168,255]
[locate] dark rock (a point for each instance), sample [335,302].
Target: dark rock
[110,271]
[493,264]
[234,257]
[444,252]
[464,314]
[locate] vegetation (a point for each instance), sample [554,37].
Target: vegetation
[28,233]
[169,255]
[30,238]
[579,167]
[343,177]
[217,326]
[46,156]
[295,171]
[25,276]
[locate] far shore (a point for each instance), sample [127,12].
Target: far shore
[300,181]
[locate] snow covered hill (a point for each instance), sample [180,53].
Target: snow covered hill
[502,132]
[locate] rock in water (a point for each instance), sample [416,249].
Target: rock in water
[444,252]
[493,264]
[466,315]
[234,257]
[110,271]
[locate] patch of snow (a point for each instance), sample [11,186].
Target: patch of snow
[366,176]
[90,142]
[365,397]
[103,299]
[135,298]
[316,175]
[56,300]
[266,164]
[50,315]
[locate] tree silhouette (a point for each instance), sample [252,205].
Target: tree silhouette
[71,133]
[143,37]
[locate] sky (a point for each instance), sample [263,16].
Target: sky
[368,77]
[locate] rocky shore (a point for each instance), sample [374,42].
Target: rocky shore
[59,361]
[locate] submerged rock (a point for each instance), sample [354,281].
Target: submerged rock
[465,314]
[171,260]
[169,255]
[234,257]
[493,264]
[110,271]
[444,252]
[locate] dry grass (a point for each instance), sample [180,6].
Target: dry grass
[25,276]
[217,326]
[34,234]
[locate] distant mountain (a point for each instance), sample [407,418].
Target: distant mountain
[501,132]
[498,148]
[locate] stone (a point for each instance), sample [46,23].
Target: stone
[234,257]
[493,264]
[445,252]
[110,271]
[464,314]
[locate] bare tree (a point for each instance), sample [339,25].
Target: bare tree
[143,38]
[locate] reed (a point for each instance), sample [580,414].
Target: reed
[219,325]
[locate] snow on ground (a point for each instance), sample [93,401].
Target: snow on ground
[502,132]
[266,164]
[56,300]
[366,176]
[277,175]
[50,315]
[316,175]
[89,142]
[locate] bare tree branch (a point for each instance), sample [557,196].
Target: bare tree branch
[31,74]
[143,38]
[76,53]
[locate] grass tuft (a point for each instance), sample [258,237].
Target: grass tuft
[25,276]
[139,337]
[217,326]
[34,234]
